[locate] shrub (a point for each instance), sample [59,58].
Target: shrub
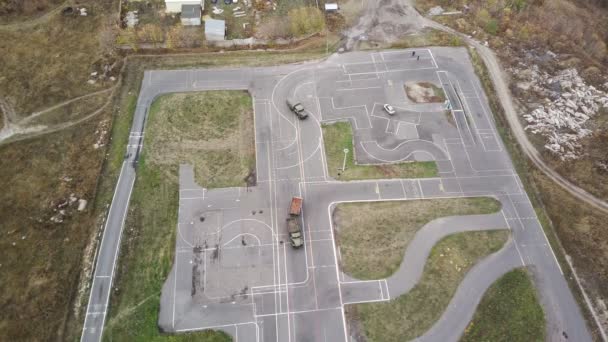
[491,27]
[305,20]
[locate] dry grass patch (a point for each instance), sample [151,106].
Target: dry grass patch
[40,259]
[52,61]
[212,130]
[384,229]
[411,315]
[508,311]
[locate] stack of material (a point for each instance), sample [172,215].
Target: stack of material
[563,118]
[131,19]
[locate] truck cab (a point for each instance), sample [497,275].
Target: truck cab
[297,108]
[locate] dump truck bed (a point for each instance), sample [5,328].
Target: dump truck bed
[296,206]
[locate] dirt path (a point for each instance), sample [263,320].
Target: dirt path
[33,22]
[37,114]
[383,21]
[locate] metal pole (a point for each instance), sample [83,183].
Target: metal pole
[344,163]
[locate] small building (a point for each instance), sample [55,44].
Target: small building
[175,6]
[215,29]
[191,15]
[331,7]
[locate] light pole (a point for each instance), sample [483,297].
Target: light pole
[344,162]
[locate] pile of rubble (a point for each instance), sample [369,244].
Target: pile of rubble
[60,209]
[563,114]
[101,133]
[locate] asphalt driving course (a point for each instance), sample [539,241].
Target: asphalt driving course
[234,269]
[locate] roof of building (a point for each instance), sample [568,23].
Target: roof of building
[191,11]
[214,26]
[331,7]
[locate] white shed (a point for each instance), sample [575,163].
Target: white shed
[175,6]
[215,29]
[331,7]
[191,15]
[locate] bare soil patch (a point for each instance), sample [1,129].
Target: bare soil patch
[424,92]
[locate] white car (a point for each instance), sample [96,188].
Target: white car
[389,109]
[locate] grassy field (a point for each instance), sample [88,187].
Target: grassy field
[384,229]
[509,311]
[52,61]
[40,259]
[338,136]
[412,314]
[193,128]
[211,130]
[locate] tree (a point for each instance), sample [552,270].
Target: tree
[150,33]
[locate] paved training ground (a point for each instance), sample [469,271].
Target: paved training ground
[234,269]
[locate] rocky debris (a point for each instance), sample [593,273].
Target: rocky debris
[82,204]
[57,218]
[63,207]
[437,10]
[101,133]
[131,19]
[563,114]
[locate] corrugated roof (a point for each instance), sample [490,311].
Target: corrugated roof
[191,11]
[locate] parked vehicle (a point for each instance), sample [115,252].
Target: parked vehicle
[297,108]
[389,109]
[293,223]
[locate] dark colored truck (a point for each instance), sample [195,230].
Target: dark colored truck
[293,223]
[297,108]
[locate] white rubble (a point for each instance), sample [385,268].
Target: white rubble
[563,115]
[437,10]
[82,204]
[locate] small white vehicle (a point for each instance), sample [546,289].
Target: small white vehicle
[389,109]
